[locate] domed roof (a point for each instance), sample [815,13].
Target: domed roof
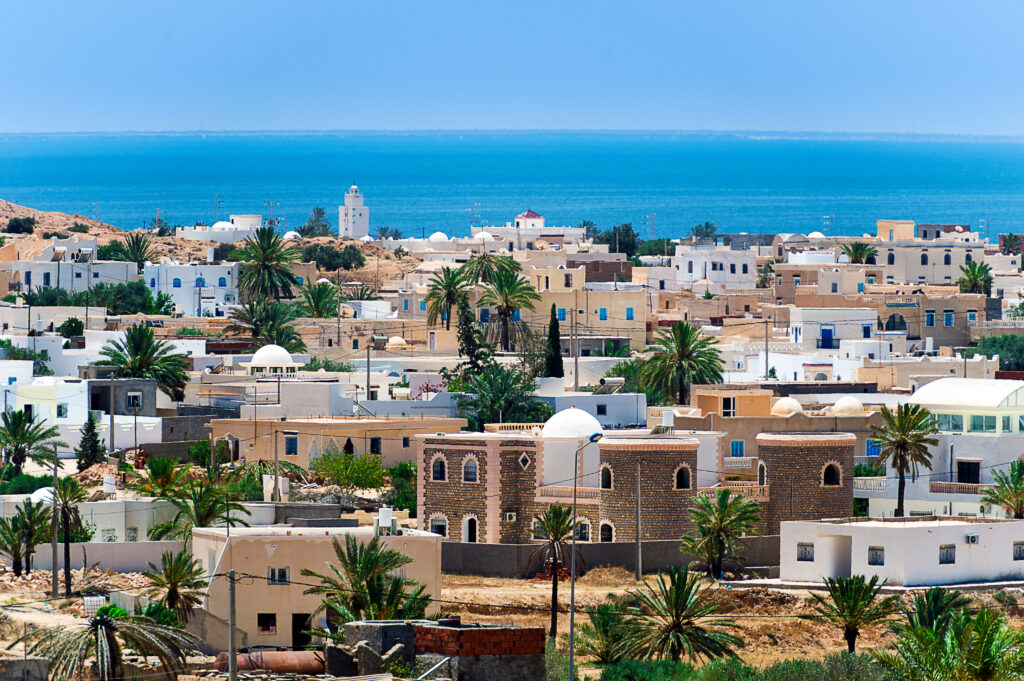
[222,224]
[291,234]
[396,340]
[815,235]
[353,189]
[437,237]
[366,239]
[848,405]
[572,423]
[324,280]
[271,356]
[786,406]
[486,236]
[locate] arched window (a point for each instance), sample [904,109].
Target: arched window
[831,476]
[176,283]
[762,474]
[606,477]
[891,260]
[200,282]
[438,471]
[152,283]
[582,530]
[683,478]
[469,526]
[469,470]
[870,260]
[607,533]
[924,258]
[223,282]
[968,257]
[439,525]
[947,259]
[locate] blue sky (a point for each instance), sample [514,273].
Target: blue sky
[910,66]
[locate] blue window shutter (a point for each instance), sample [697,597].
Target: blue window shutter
[485,315]
[629,314]
[516,316]
[222,281]
[423,306]
[603,314]
[737,447]
[406,304]
[561,314]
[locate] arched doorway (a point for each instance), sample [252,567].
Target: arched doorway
[469,530]
[607,533]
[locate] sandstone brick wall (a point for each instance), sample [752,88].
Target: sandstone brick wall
[453,498]
[518,491]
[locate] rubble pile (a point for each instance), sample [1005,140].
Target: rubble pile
[93,475]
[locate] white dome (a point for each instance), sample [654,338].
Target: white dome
[222,224]
[366,239]
[815,235]
[353,189]
[438,237]
[396,340]
[572,423]
[486,236]
[786,406]
[44,494]
[292,234]
[323,280]
[848,406]
[271,356]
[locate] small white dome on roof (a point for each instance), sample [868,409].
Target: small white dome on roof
[222,224]
[270,356]
[323,280]
[815,235]
[572,423]
[786,406]
[438,237]
[848,405]
[366,239]
[396,340]
[291,234]
[353,189]
[486,236]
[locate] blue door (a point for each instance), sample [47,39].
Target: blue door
[826,336]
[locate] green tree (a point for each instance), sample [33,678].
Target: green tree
[91,449]
[164,477]
[553,350]
[932,609]
[705,230]
[975,277]
[24,437]
[141,355]
[352,258]
[267,322]
[40,360]
[443,293]
[904,438]
[384,232]
[483,267]
[68,493]
[21,225]
[860,252]
[1007,492]
[320,299]
[103,639]
[33,519]
[765,276]
[200,504]
[362,292]
[362,585]
[721,520]
[401,493]
[71,327]
[348,471]
[500,394]
[852,604]
[620,239]
[326,257]
[1010,243]
[682,358]
[553,529]
[12,544]
[601,638]
[677,616]
[475,350]
[267,272]
[134,247]
[1009,348]
[316,225]
[177,582]
[507,293]
[631,371]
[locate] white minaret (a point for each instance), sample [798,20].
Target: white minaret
[353,217]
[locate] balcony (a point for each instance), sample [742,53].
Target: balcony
[956,488]
[742,489]
[742,462]
[565,492]
[827,343]
[870,484]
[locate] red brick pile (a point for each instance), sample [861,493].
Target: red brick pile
[479,640]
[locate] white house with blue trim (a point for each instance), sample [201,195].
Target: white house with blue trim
[197,289]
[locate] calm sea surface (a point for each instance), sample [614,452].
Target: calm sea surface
[424,182]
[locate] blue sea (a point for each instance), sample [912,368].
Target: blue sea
[424,182]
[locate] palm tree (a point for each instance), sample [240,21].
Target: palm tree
[134,248]
[676,616]
[278,328]
[975,277]
[860,252]
[164,477]
[681,359]
[443,293]
[484,266]
[554,527]
[904,438]
[320,299]
[12,543]
[33,519]
[507,293]
[142,355]
[249,318]
[24,437]
[932,609]
[316,225]
[178,583]
[362,292]
[266,272]
[385,232]
[721,520]
[201,504]
[602,637]
[765,276]
[852,605]
[1010,244]
[362,586]
[67,495]
[500,395]
[704,230]
[1007,490]
[973,647]
[69,646]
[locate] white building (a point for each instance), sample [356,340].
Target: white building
[908,552]
[823,328]
[529,231]
[69,276]
[718,268]
[353,217]
[237,228]
[197,289]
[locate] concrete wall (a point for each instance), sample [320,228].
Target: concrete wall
[116,556]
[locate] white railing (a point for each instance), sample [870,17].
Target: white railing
[562,492]
[739,461]
[956,488]
[869,484]
[743,489]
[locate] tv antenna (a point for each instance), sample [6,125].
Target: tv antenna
[474,220]
[270,221]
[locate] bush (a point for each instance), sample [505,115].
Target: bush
[326,257]
[557,663]
[79,228]
[112,611]
[847,667]
[648,670]
[72,326]
[23,483]
[352,258]
[402,492]
[159,613]
[21,226]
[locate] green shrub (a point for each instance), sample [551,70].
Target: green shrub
[401,494]
[72,326]
[79,228]
[847,667]
[21,226]
[648,670]
[159,613]
[730,669]
[557,663]
[112,611]
[23,483]
[1005,598]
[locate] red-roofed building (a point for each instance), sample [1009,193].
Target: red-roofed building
[529,220]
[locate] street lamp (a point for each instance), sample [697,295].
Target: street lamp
[572,558]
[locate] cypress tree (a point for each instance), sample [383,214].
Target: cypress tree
[472,346]
[553,353]
[91,449]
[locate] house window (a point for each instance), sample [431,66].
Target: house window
[568,281]
[423,306]
[152,283]
[405,441]
[683,478]
[982,424]
[796,281]
[277,575]
[561,314]
[831,476]
[947,259]
[582,530]
[291,446]
[469,471]
[947,318]
[891,259]
[924,258]
[872,447]
[1018,550]
[266,623]
[602,410]
[602,314]
[405,305]
[62,410]
[375,445]
[108,534]
[951,422]
[972,318]
[133,400]
[46,278]
[629,314]
[732,268]
[607,533]
[485,316]
[1007,424]
[437,470]
[439,526]
[805,552]
[968,472]
[835,287]
[661,284]
[606,477]
[968,258]
[947,554]
[200,282]
[736,448]
[876,555]
[866,330]
[131,534]
[176,283]
[517,315]
[222,282]
[745,270]
[728,406]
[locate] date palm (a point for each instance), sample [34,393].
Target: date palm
[602,637]
[320,300]
[24,437]
[12,543]
[722,518]
[682,358]
[362,292]
[904,438]
[141,355]
[33,519]
[278,328]
[201,504]
[932,609]
[266,270]
[554,528]
[1007,491]
[135,248]
[443,293]
[316,225]
[705,230]
[68,647]
[860,252]
[500,394]
[507,293]
[975,277]
[1010,244]
[852,604]
[249,318]
[164,477]
[177,582]
[677,616]
[68,493]
[484,266]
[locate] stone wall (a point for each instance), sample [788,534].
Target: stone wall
[454,498]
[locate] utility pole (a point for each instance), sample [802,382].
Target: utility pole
[53,532]
[766,349]
[218,201]
[338,341]
[270,221]
[575,334]
[368,345]
[110,397]
[276,496]
[639,543]
[232,647]
[88,291]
